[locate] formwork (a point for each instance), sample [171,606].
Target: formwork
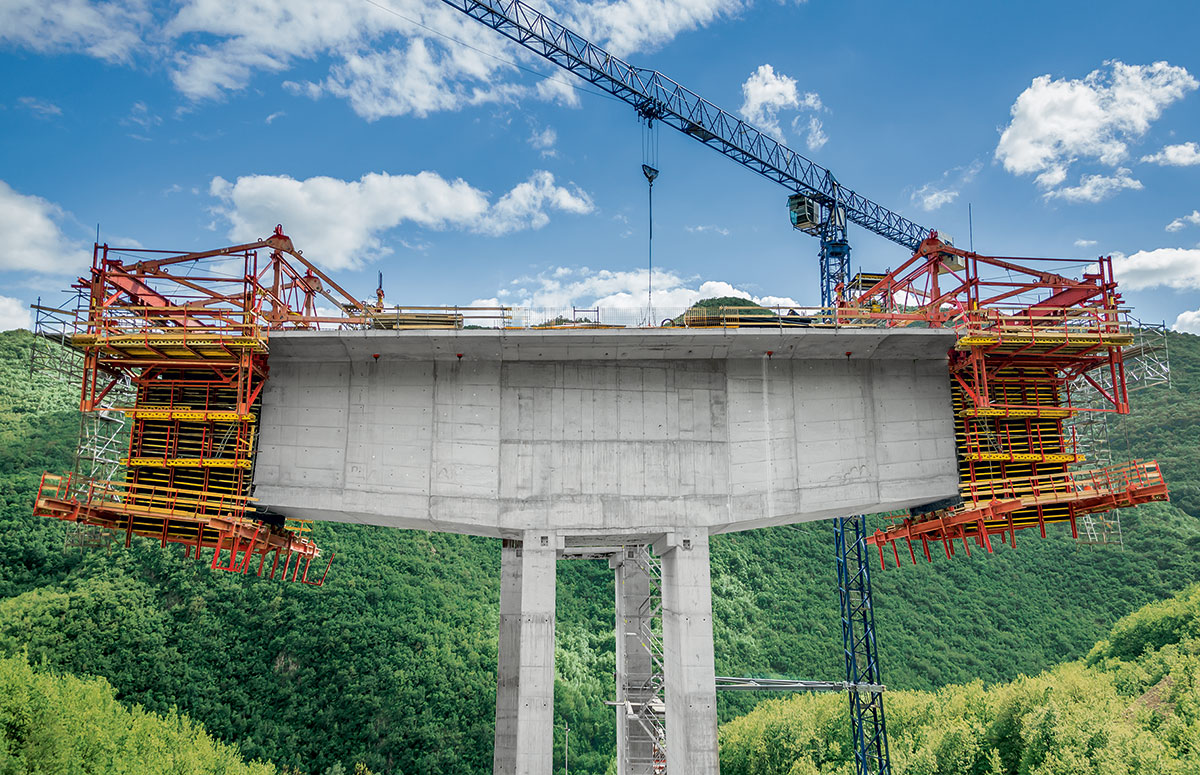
[1035,350]
[170,350]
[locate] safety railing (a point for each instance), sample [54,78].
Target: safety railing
[572,318]
[1063,321]
[1120,478]
[1066,486]
[983,491]
[176,322]
[161,501]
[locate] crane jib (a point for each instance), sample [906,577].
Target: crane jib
[656,96]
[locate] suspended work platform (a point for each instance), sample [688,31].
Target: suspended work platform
[170,351]
[1035,350]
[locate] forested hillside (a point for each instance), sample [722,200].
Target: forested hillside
[1133,706]
[392,663]
[62,724]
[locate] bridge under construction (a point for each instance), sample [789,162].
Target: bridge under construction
[220,411]
[961,396]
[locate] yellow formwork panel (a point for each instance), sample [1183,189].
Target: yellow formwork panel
[187,462]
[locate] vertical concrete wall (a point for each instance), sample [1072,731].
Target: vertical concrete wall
[494,446]
[508,660]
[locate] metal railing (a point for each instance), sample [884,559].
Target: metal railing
[161,501]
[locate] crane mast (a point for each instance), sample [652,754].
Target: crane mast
[820,206]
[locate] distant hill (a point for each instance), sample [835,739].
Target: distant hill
[393,662]
[58,723]
[1132,706]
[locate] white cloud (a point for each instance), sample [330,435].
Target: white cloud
[562,288]
[544,140]
[816,134]
[340,222]
[275,115]
[40,108]
[708,229]
[1177,268]
[626,26]
[141,115]
[13,314]
[933,195]
[1187,322]
[1086,243]
[1058,122]
[110,31]
[1182,221]
[1185,155]
[386,59]
[1096,188]
[34,240]
[420,79]
[766,92]
[524,207]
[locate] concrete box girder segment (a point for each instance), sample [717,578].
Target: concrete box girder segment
[607,432]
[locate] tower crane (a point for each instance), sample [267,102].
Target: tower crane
[820,206]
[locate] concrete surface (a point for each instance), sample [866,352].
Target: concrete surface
[604,432]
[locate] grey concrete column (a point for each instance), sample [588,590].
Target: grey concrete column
[508,659]
[525,664]
[635,668]
[690,671]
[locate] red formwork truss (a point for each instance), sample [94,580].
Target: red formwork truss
[1026,331]
[189,333]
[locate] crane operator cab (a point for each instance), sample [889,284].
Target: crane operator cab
[805,213]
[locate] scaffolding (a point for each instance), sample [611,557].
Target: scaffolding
[1147,365]
[645,696]
[170,352]
[1038,358]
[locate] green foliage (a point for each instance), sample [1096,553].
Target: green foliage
[743,305]
[62,724]
[39,425]
[1165,425]
[392,664]
[739,306]
[1135,714]
[1151,628]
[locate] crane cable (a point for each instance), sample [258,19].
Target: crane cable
[650,170]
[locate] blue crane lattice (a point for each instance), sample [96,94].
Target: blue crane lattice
[657,97]
[858,643]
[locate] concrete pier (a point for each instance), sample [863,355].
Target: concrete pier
[688,650]
[525,666]
[620,438]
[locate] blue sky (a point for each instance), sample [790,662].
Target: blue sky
[401,136]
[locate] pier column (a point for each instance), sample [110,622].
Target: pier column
[525,660]
[635,667]
[690,671]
